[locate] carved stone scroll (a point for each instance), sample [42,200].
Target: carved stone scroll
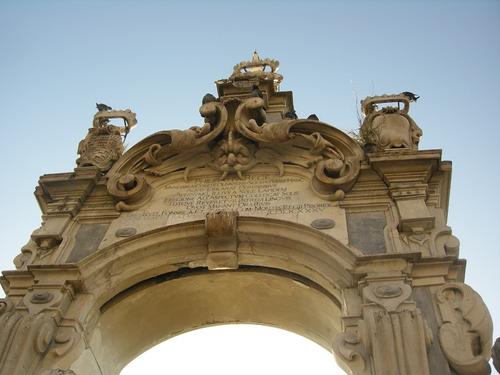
[351,356]
[175,141]
[131,191]
[335,170]
[466,330]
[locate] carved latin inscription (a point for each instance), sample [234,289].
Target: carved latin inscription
[262,195]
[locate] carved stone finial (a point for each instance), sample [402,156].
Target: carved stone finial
[389,127]
[103,144]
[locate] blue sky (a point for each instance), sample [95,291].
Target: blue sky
[159,58]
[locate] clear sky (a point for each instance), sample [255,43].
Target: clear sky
[58,58]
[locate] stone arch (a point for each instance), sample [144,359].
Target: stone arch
[158,285]
[354,227]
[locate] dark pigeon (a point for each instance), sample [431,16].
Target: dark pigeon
[256,92]
[291,115]
[101,107]
[313,117]
[411,96]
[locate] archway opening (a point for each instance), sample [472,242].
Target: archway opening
[245,349]
[162,308]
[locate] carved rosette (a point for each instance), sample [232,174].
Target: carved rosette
[388,127]
[466,330]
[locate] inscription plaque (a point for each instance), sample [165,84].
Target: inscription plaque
[287,198]
[262,195]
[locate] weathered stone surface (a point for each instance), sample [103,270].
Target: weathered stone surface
[438,365]
[366,231]
[258,216]
[87,240]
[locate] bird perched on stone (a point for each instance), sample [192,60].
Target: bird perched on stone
[313,117]
[291,115]
[256,92]
[411,96]
[103,107]
[208,98]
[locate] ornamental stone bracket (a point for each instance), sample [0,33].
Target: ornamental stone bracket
[222,240]
[407,174]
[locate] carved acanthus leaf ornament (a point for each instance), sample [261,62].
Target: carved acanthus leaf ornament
[246,126]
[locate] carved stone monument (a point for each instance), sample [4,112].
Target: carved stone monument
[255,216]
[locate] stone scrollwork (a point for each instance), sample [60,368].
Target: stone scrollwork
[465,334]
[28,254]
[245,127]
[174,141]
[335,170]
[351,355]
[131,191]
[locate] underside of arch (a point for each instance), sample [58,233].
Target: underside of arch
[162,307]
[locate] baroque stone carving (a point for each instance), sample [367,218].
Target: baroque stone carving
[103,144]
[389,127]
[466,329]
[28,254]
[242,130]
[257,68]
[351,355]
[373,266]
[131,191]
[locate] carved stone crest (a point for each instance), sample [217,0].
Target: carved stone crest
[388,127]
[103,144]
